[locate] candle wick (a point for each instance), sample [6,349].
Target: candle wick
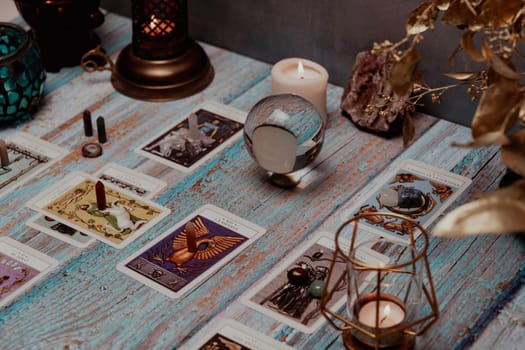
[383,319]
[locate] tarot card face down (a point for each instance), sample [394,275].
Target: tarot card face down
[28,156]
[191,251]
[20,268]
[416,190]
[229,334]
[73,202]
[133,181]
[195,139]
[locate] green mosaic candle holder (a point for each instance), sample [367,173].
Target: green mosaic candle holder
[22,74]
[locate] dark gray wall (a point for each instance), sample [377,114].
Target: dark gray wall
[328,32]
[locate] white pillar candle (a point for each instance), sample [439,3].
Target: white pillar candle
[304,78]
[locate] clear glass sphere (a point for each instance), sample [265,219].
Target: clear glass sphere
[284,133]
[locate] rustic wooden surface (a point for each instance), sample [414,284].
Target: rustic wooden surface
[87,304]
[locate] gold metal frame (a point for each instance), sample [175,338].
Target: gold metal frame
[348,327]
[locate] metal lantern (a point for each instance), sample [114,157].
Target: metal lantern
[162,63]
[390,301]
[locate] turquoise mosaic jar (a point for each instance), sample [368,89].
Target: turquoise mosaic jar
[22,74]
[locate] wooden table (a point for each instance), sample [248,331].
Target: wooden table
[87,304]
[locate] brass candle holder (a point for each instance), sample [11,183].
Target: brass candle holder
[388,304]
[162,63]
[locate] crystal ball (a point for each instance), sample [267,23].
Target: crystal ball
[283,133]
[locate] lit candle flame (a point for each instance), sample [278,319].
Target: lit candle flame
[386,313]
[300,70]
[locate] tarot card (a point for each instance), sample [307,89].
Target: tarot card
[414,189]
[20,268]
[193,140]
[73,202]
[191,251]
[28,155]
[286,294]
[142,185]
[229,334]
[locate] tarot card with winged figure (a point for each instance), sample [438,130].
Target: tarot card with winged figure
[191,251]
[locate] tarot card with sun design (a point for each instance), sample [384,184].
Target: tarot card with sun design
[73,202]
[290,293]
[28,155]
[196,138]
[414,189]
[21,267]
[190,252]
[229,334]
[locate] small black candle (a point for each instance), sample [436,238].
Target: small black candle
[88,127]
[101,130]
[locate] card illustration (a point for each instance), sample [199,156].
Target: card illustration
[415,190]
[27,155]
[20,267]
[73,202]
[191,141]
[291,294]
[230,335]
[191,251]
[135,182]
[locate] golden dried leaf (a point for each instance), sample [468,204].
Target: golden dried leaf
[489,215]
[422,18]
[498,13]
[409,130]
[489,138]
[467,42]
[513,154]
[463,76]
[459,14]
[498,108]
[442,5]
[502,68]
[403,71]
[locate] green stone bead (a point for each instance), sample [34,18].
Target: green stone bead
[316,289]
[13,97]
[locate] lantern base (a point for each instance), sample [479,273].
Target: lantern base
[352,343]
[162,80]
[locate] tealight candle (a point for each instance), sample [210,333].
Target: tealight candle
[390,314]
[304,78]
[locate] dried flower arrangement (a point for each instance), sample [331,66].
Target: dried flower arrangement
[493,31]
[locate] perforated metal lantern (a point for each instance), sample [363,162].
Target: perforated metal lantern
[391,296]
[162,62]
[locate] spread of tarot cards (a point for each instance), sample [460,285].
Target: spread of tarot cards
[415,190]
[229,334]
[291,292]
[194,139]
[140,184]
[27,157]
[190,252]
[73,202]
[21,267]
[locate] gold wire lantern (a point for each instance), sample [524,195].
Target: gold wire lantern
[388,304]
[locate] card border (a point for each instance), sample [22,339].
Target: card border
[212,106]
[164,211]
[158,183]
[188,288]
[36,142]
[222,323]
[53,263]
